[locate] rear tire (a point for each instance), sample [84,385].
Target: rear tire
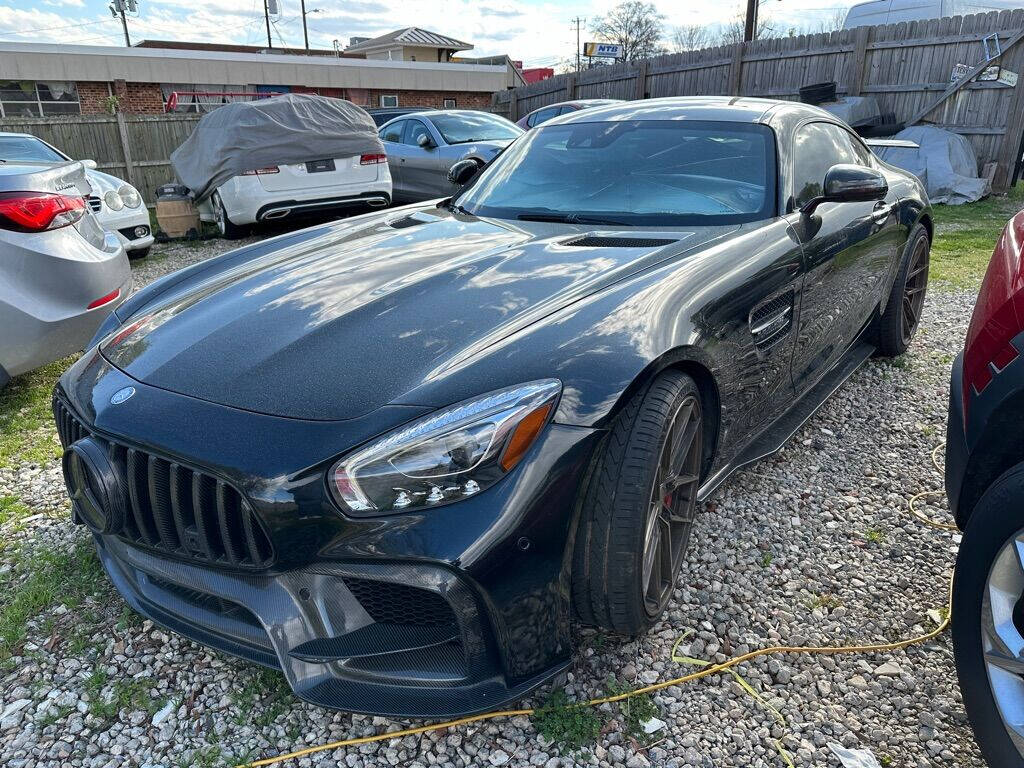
[139,253]
[227,229]
[896,328]
[995,522]
[639,507]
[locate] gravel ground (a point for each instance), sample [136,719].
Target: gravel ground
[814,545]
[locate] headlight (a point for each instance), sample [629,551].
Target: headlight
[113,200]
[447,456]
[130,196]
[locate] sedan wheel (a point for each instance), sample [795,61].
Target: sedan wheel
[639,508]
[895,328]
[988,620]
[913,290]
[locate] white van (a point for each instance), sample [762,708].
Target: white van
[895,11]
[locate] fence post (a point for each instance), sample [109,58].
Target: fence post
[736,69]
[513,105]
[860,56]
[641,79]
[126,149]
[570,86]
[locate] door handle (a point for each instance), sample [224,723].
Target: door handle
[881,211]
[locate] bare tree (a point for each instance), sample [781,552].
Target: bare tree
[689,37]
[732,31]
[636,26]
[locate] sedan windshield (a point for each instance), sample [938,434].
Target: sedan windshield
[634,172]
[21,149]
[480,126]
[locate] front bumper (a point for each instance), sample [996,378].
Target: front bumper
[438,614]
[123,224]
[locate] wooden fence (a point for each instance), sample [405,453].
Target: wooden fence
[135,148]
[906,66]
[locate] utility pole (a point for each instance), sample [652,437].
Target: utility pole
[577,21]
[266,17]
[305,32]
[750,22]
[118,8]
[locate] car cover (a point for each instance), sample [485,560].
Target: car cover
[282,130]
[944,162]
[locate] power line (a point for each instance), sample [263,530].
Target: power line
[50,29]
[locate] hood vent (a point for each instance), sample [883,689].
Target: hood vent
[597,241]
[405,221]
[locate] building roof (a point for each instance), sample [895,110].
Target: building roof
[188,45]
[410,36]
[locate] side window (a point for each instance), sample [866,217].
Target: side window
[544,115]
[566,109]
[862,152]
[393,132]
[413,130]
[531,120]
[817,147]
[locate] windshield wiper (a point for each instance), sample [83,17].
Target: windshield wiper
[569,218]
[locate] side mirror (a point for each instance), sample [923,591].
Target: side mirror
[90,164]
[463,171]
[846,183]
[425,141]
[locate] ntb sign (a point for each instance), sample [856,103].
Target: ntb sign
[603,50]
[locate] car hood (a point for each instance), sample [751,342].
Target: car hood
[103,182]
[336,325]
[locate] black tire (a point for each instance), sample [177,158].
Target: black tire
[993,522]
[608,580]
[228,230]
[894,330]
[139,253]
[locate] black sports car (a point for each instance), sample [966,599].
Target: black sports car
[395,456]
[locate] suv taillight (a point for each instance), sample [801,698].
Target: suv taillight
[372,159]
[997,313]
[261,171]
[39,211]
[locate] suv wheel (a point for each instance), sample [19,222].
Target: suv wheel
[639,508]
[988,621]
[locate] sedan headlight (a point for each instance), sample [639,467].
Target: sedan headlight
[449,455]
[130,196]
[113,200]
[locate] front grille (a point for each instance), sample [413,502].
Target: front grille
[95,203]
[176,510]
[390,603]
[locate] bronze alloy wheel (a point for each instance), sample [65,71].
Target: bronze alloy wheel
[672,505]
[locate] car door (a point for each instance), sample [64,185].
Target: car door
[422,171]
[848,250]
[391,136]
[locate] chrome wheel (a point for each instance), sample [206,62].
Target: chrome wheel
[1002,639]
[913,290]
[672,505]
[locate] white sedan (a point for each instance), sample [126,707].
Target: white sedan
[116,204]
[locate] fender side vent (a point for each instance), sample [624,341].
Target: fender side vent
[596,241]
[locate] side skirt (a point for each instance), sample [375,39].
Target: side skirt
[778,433]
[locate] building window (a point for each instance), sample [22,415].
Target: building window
[389,101]
[449,103]
[26,98]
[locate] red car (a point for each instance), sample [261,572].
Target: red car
[985,487]
[544,114]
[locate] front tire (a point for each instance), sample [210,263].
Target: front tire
[139,253]
[639,507]
[989,582]
[896,327]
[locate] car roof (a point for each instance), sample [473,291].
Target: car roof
[18,135]
[732,109]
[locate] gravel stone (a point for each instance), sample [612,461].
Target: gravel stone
[847,565]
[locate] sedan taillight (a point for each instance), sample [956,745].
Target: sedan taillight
[998,313]
[261,171]
[372,159]
[39,211]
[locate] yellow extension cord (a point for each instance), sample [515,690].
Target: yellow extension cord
[705,672]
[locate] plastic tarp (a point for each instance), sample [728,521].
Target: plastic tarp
[282,130]
[854,110]
[944,162]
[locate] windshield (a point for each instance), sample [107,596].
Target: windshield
[479,126]
[636,172]
[15,149]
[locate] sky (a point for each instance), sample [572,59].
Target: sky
[538,32]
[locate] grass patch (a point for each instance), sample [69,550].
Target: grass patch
[570,727]
[44,579]
[134,693]
[875,535]
[262,698]
[635,711]
[26,422]
[965,236]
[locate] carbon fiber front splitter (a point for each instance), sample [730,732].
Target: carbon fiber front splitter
[335,649]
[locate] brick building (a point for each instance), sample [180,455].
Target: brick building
[44,80]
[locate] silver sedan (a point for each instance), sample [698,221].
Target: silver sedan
[60,273]
[423,146]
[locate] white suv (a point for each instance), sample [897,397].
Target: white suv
[334,184]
